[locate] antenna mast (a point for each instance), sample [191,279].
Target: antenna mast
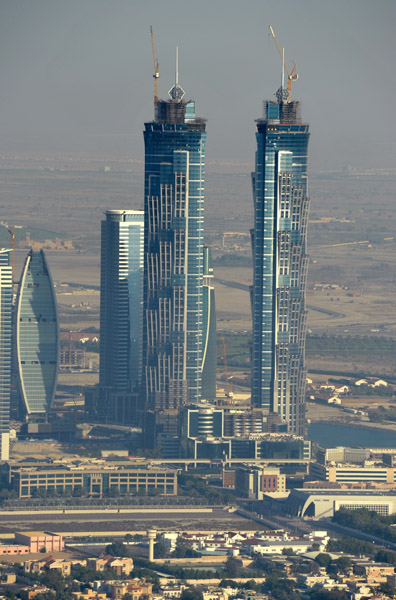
[176,92]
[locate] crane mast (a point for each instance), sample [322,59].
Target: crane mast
[156,72]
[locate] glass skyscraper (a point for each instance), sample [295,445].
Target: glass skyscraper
[37,336]
[173,276]
[5,351]
[121,300]
[280,263]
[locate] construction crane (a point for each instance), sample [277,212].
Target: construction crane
[291,75]
[156,72]
[12,234]
[229,393]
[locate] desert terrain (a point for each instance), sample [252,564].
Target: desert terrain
[352,271]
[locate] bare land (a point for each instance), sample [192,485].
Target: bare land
[100,522]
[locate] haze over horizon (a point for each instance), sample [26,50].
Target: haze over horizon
[77,76]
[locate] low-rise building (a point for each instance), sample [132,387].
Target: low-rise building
[89,594]
[341,454]
[349,473]
[38,541]
[10,549]
[173,591]
[310,581]
[95,479]
[253,482]
[265,542]
[137,588]
[28,593]
[320,504]
[121,566]
[374,572]
[48,564]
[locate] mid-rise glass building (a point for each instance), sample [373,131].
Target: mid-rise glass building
[173,276]
[5,351]
[37,336]
[280,263]
[121,300]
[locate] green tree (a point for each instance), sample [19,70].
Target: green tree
[184,549]
[386,556]
[251,585]
[191,593]
[323,560]
[344,564]
[159,549]
[233,566]
[288,552]
[117,549]
[351,546]
[387,589]
[54,581]
[224,583]
[329,595]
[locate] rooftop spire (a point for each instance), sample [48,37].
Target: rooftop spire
[176,92]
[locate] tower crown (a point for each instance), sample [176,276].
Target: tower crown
[176,92]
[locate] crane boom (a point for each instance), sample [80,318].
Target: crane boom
[278,47]
[291,76]
[156,72]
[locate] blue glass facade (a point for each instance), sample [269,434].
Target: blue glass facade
[209,346]
[37,336]
[121,299]
[174,224]
[5,351]
[280,264]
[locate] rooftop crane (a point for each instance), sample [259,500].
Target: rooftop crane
[156,72]
[229,393]
[291,76]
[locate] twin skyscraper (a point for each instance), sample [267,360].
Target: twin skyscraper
[158,333]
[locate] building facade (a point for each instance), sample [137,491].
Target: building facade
[92,481]
[37,336]
[253,446]
[346,473]
[209,340]
[280,263]
[174,269]
[197,421]
[254,482]
[121,311]
[5,351]
[322,504]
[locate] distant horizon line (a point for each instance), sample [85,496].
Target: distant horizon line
[246,165]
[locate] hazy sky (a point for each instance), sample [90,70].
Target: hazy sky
[76,75]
